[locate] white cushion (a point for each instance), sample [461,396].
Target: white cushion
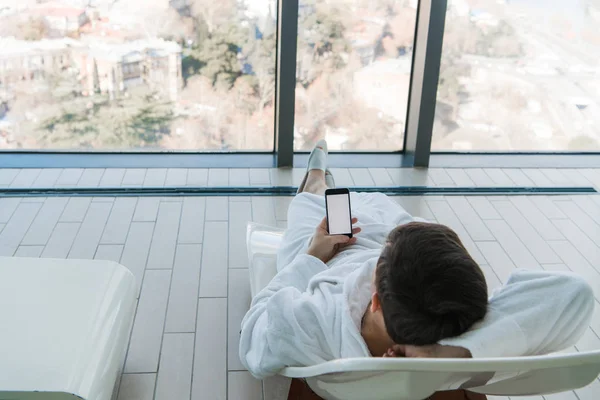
[65,326]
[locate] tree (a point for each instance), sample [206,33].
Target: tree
[321,41]
[219,54]
[213,14]
[30,29]
[402,27]
[139,120]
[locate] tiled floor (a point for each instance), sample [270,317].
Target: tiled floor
[188,254]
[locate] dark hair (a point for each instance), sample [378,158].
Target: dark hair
[429,286]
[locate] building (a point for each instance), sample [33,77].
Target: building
[33,60]
[114,68]
[103,67]
[60,18]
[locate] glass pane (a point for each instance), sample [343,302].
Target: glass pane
[353,73]
[137,74]
[520,75]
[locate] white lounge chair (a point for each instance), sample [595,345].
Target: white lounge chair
[416,379]
[64,327]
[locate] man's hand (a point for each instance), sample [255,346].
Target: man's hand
[325,246]
[431,351]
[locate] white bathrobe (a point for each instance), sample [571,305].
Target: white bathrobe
[311,312]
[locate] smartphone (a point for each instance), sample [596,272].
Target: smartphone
[339,216]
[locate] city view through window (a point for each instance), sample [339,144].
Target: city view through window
[137,74]
[518,75]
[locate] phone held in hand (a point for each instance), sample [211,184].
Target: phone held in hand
[339,215]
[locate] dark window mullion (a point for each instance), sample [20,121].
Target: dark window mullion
[285,82]
[429,36]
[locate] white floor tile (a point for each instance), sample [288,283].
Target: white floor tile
[164,240]
[176,177]
[483,207]
[260,177]
[381,177]
[155,177]
[197,177]
[415,206]
[75,209]
[341,175]
[547,207]
[217,208]
[281,207]
[263,210]
[580,240]
[7,175]
[281,176]
[213,276]
[29,251]
[137,248]
[361,177]
[89,234]
[577,263]
[25,178]
[242,385]
[210,353]
[218,177]
[146,209]
[69,177]
[518,177]
[134,177]
[110,252]
[237,306]
[119,221]
[536,218]
[112,177]
[8,207]
[513,246]
[16,227]
[479,177]
[239,177]
[137,387]
[91,177]
[528,235]
[469,218]
[441,177]
[191,228]
[410,177]
[174,379]
[185,282]
[147,333]
[497,259]
[61,240]
[240,215]
[40,230]
[499,177]
[460,177]
[537,177]
[47,178]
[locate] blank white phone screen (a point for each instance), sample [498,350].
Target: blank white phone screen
[338,212]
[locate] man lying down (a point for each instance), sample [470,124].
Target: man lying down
[400,287]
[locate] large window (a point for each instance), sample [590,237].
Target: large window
[519,75]
[137,74]
[353,73]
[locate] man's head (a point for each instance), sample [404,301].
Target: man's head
[427,285]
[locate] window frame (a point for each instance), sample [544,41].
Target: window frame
[416,149]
